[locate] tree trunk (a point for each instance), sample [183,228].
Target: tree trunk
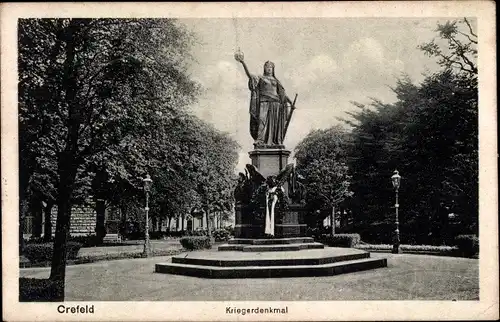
[36,210]
[58,268]
[100,220]
[332,220]
[67,165]
[169,223]
[183,218]
[207,216]
[47,235]
[23,207]
[154,222]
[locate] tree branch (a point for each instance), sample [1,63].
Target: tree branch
[462,55]
[470,27]
[468,37]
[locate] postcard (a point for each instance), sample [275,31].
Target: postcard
[296,161]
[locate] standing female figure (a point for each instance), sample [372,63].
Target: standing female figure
[268,106]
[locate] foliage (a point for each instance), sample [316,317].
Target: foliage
[460,51]
[222,235]
[102,102]
[197,232]
[341,240]
[126,254]
[197,172]
[43,252]
[87,241]
[322,161]
[430,134]
[413,249]
[196,242]
[467,244]
[316,232]
[37,290]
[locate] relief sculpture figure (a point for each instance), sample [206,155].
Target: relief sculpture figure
[274,192]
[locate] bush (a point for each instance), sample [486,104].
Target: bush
[341,240]
[221,235]
[468,245]
[157,234]
[37,290]
[230,229]
[196,242]
[86,241]
[197,232]
[312,232]
[442,250]
[34,240]
[43,252]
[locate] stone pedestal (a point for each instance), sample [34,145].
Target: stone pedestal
[290,224]
[269,161]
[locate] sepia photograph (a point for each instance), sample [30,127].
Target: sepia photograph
[245,166]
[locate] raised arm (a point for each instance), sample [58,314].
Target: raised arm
[239,57]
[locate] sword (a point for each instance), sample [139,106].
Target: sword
[290,116]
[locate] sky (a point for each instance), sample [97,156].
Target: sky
[328,62]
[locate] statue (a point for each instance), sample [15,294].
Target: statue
[296,188]
[274,192]
[243,191]
[269,105]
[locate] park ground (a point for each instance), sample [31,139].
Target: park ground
[407,277]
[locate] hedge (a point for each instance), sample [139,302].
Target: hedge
[416,248]
[43,252]
[86,241]
[196,242]
[197,232]
[37,290]
[222,235]
[125,255]
[341,240]
[468,245]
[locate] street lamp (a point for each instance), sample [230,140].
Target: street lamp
[147,188]
[396,181]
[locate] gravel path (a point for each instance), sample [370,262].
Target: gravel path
[407,277]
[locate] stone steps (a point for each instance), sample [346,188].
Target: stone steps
[268,261]
[271,271]
[270,248]
[271,241]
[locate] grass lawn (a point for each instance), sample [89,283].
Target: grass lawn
[407,277]
[132,247]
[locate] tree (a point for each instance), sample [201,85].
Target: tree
[321,160]
[430,135]
[89,88]
[459,52]
[213,165]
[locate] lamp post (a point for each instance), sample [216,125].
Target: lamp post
[396,181]
[147,188]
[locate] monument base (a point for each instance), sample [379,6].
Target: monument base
[256,264]
[269,161]
[289,224]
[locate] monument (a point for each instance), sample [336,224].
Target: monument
[270,231]
[266,189]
